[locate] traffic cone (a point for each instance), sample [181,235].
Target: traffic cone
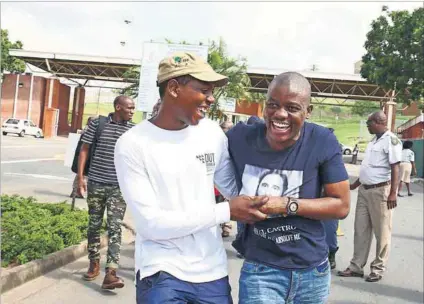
[339,231]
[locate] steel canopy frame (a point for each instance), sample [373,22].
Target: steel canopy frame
[80,66]
[341,87]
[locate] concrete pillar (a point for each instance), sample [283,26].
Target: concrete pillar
[78,109]
[31,89]
[15,100]
[50,98]
[390,111]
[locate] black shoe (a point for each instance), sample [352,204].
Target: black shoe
[374,277]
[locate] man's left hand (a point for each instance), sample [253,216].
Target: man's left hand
[275,205]
[391,201]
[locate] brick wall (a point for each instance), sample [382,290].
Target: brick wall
[8,97]
[411,110]
[57,96]
[415,131]
[246,108]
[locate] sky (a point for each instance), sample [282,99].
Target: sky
[275,35]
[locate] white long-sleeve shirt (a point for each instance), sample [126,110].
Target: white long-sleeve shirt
[167,179]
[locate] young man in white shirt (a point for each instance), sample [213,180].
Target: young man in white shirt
[167,167]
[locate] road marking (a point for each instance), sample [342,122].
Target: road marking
[27,160]
[30,146]
[45,176]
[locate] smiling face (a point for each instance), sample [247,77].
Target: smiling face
[272,185]
[191,100]
[285,112]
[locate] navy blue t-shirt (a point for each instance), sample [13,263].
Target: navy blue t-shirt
[299,171]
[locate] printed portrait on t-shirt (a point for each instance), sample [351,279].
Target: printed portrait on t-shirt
[261,181]
[272,183]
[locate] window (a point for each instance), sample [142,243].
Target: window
[32,124]
[12,121]
[26,124]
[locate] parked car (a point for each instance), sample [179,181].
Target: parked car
[21,127]
[346,150]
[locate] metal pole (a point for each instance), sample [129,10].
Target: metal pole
[98,102]
[15,101]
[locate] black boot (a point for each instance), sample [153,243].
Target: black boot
[332,258]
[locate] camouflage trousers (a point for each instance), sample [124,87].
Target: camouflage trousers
[101,197]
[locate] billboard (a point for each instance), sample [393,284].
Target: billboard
[153,53]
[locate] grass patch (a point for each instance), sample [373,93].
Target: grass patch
[104,109]
[32,230]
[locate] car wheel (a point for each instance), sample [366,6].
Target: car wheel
[22,133]
[38,135]
[5,133]
[347,152]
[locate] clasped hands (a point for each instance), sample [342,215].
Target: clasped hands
[251,209]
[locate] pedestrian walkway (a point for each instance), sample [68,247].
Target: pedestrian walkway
[403,282]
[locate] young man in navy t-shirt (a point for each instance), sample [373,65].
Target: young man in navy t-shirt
[290,161]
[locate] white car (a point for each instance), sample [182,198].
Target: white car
[346,150]
[21,127]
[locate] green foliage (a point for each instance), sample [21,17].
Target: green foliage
[31,230]
[236,71]
[394,56]
[131,75]
[363,108]
[9,63]
[336,110]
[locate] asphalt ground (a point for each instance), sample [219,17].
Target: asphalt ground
[35,167]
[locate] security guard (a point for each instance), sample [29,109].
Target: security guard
[378,180]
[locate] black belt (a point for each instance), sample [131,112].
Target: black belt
[367,187]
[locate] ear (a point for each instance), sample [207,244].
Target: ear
[309,111]
[173,88]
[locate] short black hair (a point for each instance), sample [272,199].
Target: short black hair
[118,99]
[295,81]
[407,144]
[183,80]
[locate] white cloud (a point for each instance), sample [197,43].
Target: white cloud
[282,35]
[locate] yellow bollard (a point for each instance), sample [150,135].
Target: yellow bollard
[339,231]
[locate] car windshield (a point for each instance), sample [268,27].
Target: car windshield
[12,121]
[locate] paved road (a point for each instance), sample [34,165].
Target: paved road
[403,282]
[35,167]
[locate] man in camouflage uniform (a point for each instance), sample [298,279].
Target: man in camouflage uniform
[103,188]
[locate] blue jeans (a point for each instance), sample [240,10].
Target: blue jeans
[330,227]
[260,284]
[163,288]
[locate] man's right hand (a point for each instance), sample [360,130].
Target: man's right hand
[245,208]
[82,186]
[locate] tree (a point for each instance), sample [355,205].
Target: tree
[234,68]
[9,63]
[236,71]
[394,56]
[336,110]
[363,108]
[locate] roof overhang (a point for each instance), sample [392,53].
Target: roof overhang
[79,66]
[325,85]
[73,66]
